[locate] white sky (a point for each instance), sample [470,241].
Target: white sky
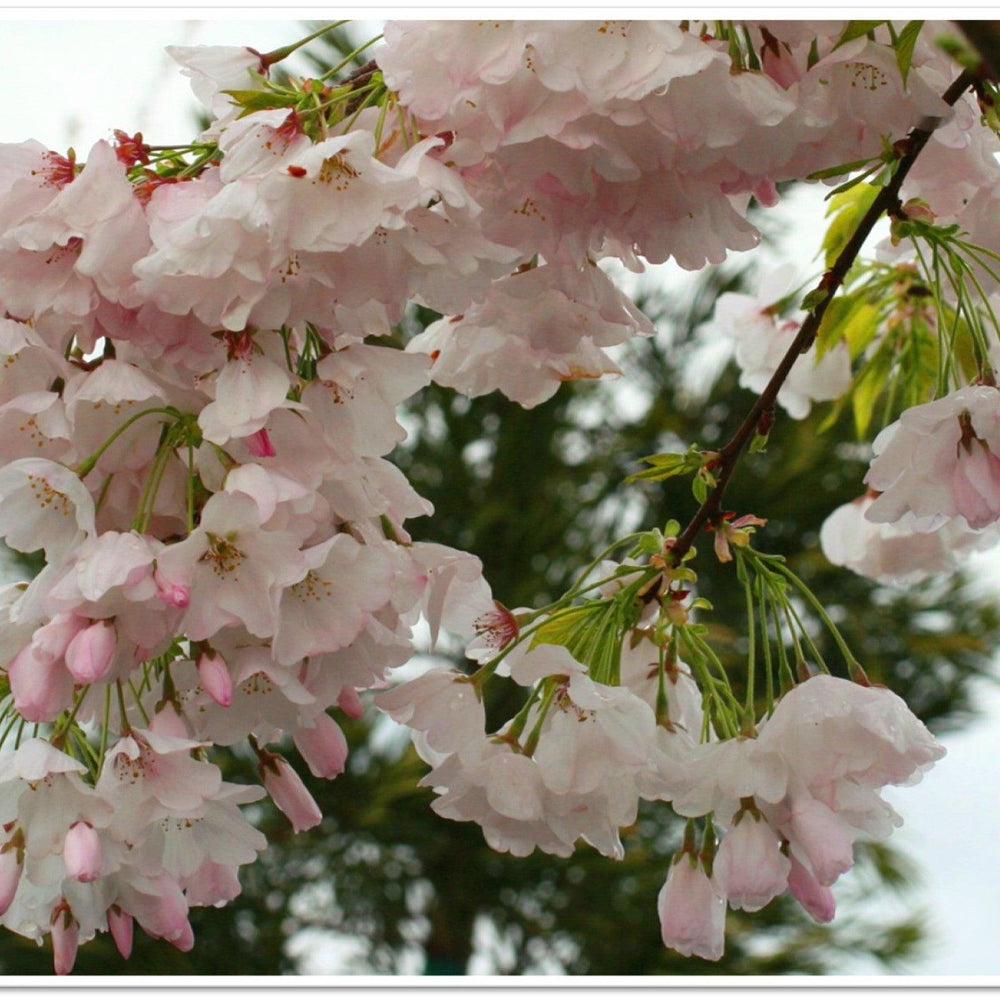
[72,82]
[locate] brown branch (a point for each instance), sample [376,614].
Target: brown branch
[887,199]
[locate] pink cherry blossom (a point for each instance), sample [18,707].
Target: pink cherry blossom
[441,704]
[939,461]
[44,505]
[899,552]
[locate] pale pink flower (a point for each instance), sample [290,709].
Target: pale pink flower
[43,505]
[761,339]
[355,395]
[233,569]
[158,905]
[441,704]
[335,194]
[899,552]
[40,682]
[829,728]
[593,734]
[939,460]
[533,331]
[692,913]
[455,595]
[149,775]
[215,68]
[81,244]
[330,606]
[247,389]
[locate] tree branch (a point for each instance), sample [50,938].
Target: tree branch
[887,198]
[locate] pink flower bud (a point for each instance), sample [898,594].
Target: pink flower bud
[10,875]
[323,747]
[817,900]
[65,939]
[692,914]
[38,679]
[290,795]
[259,444]
[749,868]
[213,672]
[91,652]
[82,854]
[121,926]
[173,594]
[184,941]
[349,703]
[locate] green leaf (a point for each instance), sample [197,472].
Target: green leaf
[593,633]
[559,629]
[843,168]
[867,390]
[904,47]
[700,489]
[856,29]
[850,318]
[848,209]
[815,299]
[261,100]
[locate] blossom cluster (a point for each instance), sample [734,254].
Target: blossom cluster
[201,381]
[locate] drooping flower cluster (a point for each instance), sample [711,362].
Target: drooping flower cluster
[199,395]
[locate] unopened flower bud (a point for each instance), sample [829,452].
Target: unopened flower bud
[290,795]
[817,900]
[91,652]
[121,926]
[349,703]
[10,874]
[323,747]
[213,672]
[65,939]
[172,593]
[82,854]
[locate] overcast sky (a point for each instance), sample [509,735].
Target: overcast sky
[71,83]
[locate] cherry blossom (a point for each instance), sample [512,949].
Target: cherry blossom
[939,460]
[207,353]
